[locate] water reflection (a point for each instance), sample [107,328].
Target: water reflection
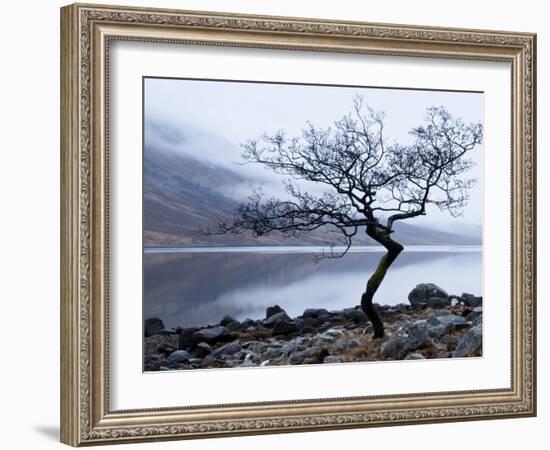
[197,288]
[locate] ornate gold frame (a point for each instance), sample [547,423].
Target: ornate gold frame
[86,31]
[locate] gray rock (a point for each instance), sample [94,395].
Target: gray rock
[419,305]
[427,293]
[291,347]
[308,323]
[227,320]
[323,319]
[298,358]
[438,302]
[331,360]
[445,323]
[272,319]
[314,313]
[234,326]
[202,349]
[457,322]
[412,356]
[471,300]
[227,350]
[356,315]
[440,330]
[407,338]
[337,318]
[179,356]
[334,332]
[273,353]
[250,360]
[187,339]
[327,337]
[401,307]
[344,344]
[255,346]
[152,326]
[470,343]
[472,313]
[284,326]
[271,310]
[211,335]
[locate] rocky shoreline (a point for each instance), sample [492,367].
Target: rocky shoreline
[432,325]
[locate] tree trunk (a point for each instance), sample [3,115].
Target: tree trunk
[394,249]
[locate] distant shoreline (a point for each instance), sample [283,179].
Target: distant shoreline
[308,248]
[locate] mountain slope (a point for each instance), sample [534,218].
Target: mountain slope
[183,196]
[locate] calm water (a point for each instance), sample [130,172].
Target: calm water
[197,286]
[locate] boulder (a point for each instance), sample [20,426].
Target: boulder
[470,343]
[445,323]
[478,321]
[356,315]
[449,319]
[271,310]
[472,313]
[179,356]
[407,338]
[334,332]
[314,313]
[152,326]
[428,293]
[324,318]
[272,319]
[187,339]
[273,353]
[308,322]
[228,320]
[412,356]
[327,337]
[471,300]
[438,302]
[291,347]
[255,346]
[250,360]
[202,350]
[284,326]
[211,335]
[227,350]
[401,307]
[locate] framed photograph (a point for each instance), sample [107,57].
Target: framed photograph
[276,224]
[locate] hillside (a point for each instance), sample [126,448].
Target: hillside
[183,196]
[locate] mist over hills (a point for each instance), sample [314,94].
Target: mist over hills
[183,195]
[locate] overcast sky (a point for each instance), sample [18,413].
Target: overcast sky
[209,120]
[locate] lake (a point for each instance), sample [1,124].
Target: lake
[195,286]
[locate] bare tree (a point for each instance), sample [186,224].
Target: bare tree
[370,184]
